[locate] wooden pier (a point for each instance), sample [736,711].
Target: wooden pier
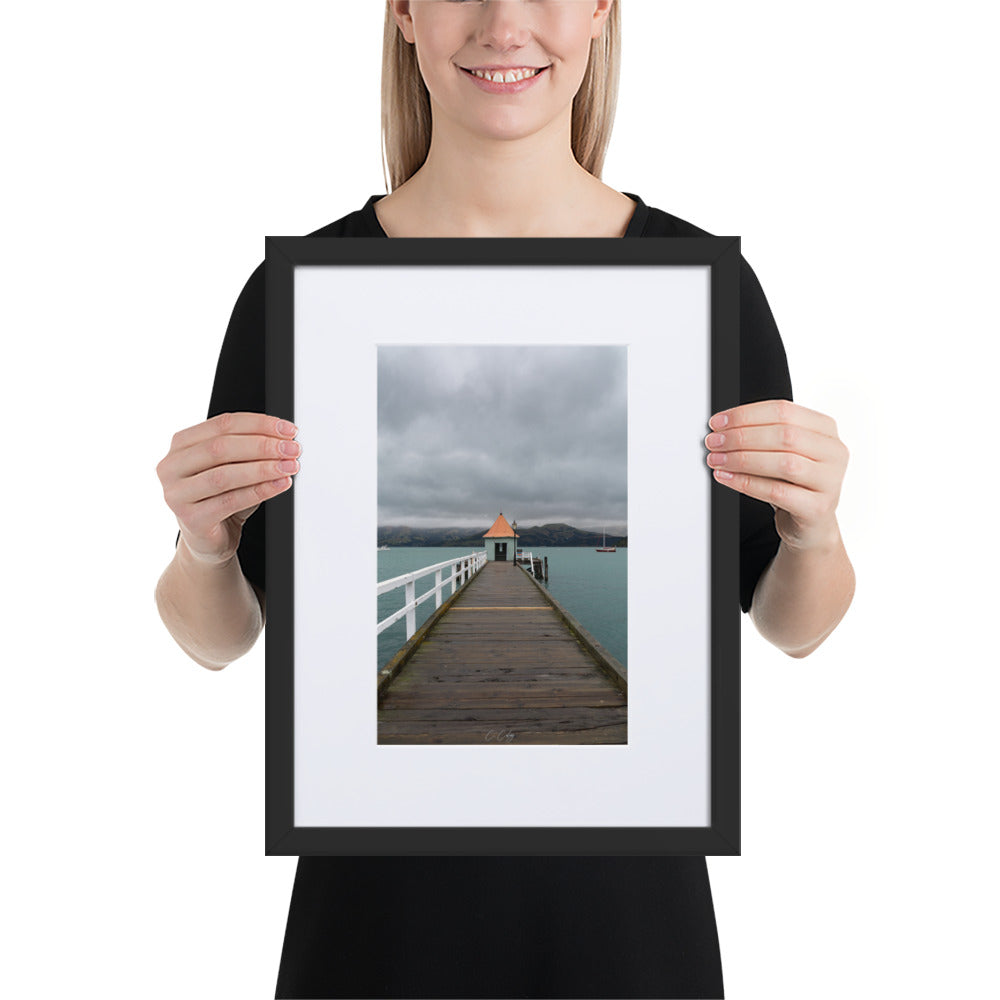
[502,662]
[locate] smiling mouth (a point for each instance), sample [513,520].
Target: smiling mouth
[505,76]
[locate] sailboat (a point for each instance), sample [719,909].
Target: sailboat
[604,543]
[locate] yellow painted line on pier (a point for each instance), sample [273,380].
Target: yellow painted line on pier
[527,607]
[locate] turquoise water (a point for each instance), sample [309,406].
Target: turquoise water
[591,586]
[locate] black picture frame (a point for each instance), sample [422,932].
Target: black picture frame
[720,257]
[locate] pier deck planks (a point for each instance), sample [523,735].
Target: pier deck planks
[500,666]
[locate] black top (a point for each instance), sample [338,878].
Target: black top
[504,926]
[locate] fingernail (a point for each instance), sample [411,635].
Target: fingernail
[715,440]
[718,421]
[722,474]
[284,427]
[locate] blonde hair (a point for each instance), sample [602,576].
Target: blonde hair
[406,106]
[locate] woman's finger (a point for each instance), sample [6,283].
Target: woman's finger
[239,422]
[225,478]
[202,517]
[802,503]
[784,465]
[227,449]
[790,438]
[773,411]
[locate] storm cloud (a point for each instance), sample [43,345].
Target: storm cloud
[539,433]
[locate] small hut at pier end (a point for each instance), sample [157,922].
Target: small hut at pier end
[501,541]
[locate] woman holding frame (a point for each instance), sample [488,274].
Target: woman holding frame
[496,118]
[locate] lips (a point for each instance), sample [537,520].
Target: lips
[498,66]
[535,70]
[492,87]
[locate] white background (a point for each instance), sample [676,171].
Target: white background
[149,149]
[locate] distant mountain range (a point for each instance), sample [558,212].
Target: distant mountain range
[545,535]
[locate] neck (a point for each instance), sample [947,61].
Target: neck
[480,186]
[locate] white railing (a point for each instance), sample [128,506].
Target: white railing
[462,569]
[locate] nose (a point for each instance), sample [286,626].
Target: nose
[504,24]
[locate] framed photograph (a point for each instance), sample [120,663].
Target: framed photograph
[503,591]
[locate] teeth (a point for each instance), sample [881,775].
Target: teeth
[511,76]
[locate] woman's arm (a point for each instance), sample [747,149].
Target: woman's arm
[802,596]
[215,476]
[213,612]
[791,458]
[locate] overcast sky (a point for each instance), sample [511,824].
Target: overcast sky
[537,433]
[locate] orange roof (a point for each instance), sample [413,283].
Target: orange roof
[501,529]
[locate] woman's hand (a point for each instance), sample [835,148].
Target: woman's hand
[218,472]
[787,456]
